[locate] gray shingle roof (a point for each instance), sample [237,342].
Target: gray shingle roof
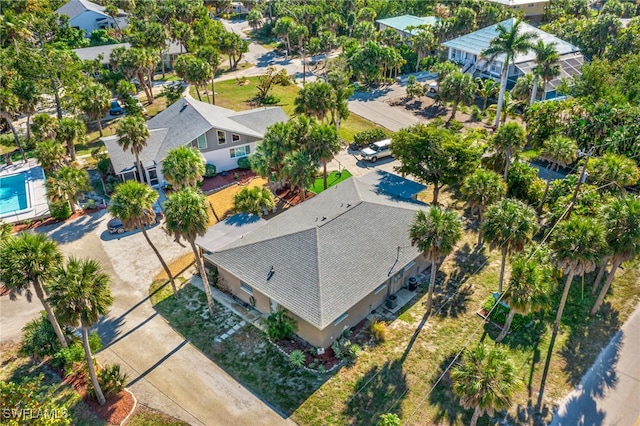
[229,230]
[331,251]
[184,121]
[478,41]
[91,53]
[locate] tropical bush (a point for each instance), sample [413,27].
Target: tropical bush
[378,330]
[39,337]
[104,166]
[297,358]
[33,393]
[280,326]
[270,100]
[366,137]
[69,359]
[243,163]
[253,200]
[389,419]
[210,170]
[344,349]
[60,210]
[111,380]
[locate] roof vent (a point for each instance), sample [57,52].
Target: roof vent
[271,272]
[323,218]
[184,106]
[348,205]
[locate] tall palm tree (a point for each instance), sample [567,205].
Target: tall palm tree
[481,189]
[509,225]
[71,131]
[508,43]
[323,145]
[435,233]
[268,160]
[559,151]
[132,203]
[186,217]
[508,140]
[300,170]
[50,154]
[68,184]
[183,167]
[485,380]
[547,62]
[458,87]
[529,285]
[133,133]
[94,101]
[26,260]
[315,100]
[422,42]
[486,89]
[618,170]
[621,219]
[80,293]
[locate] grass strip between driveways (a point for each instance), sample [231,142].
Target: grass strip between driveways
[333,178]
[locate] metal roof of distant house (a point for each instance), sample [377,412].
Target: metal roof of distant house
[74,8]
[184,121]
[92,53]
[518,2]
[331,251]
[401,23]
[478,41]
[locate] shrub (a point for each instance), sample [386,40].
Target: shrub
[104,166]
[476,115]
[112,182]
[378,330]
[280,325]
[60,210]
[366,137]
[67,358]
[39,338]
[455,126]
[499,314]
[172,92]
[99,153]
[111,380]
[270,100]
[297,358]
[389,419]
[243,163]
[213,275]
[209,170]
[344,349]
[321,369]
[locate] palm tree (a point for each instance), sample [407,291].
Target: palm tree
[94,101]
[253,200]
[458,87]
[71,131]
[300,170]
[621,219]
[183,167]
[323,145]
[186,217]
[29,259]
[547,62]
[132,203]
[486,89]
[68,184]
[50,154]
[485,380]
[133,133]
[211,55]
[559,151]
[29,96]
[80,293]
[315,100]
[508,140]
[482,189]
[435,233]
[423,42]
[509,43]
[617,170]
[529,285]
[9,107]
[509,225]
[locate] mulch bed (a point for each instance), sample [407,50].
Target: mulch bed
[218,181]
[19,227]
[292,196]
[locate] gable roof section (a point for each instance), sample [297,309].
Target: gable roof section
[401,23]
[91,53]
[124,161]
[260,118]
[478,41]
[331,251]
[517,2]
[74,8]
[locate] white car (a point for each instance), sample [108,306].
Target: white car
[377,150]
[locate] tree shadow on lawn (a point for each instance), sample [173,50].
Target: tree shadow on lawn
[468,261]
[379,391]
[443,399]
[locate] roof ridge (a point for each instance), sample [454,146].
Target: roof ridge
[320,313]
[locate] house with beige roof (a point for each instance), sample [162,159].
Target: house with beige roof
[528,7]
[328,262]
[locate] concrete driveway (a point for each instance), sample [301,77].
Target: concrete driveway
[165,371]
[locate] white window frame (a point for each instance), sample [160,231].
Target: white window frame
[246,288]
[204,138]
[340,319]
[380,288]
[246,149]
[234,136]
[224,137]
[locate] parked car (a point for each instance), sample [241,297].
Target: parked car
[115,109]
[115,225]
[377,150]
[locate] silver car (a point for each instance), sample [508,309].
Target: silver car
[376,150]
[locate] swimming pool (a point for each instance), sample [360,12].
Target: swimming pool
[13,194]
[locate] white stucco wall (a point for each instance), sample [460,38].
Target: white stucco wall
[222,158]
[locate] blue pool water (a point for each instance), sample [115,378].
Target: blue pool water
[13,193]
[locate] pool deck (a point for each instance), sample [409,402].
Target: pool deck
[36,191]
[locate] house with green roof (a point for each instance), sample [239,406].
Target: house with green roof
[467,51]
[328,262]
[406,25]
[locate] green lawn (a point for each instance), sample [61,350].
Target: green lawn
[354,124]
[332,179]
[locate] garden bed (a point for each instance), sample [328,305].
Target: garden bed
[211,184]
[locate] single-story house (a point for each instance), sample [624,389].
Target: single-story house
[328,262]
[89,16]
[171,52]
[529,7]
[406,25]
[222,136]
[466,51]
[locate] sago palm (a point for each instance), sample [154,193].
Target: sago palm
[132,202]
[133,134]
[27,260]
[482,189]
[183,167]
[80,294]
[509,225]
[435,233]
[186,218]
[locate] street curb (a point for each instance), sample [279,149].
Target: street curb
[135,404]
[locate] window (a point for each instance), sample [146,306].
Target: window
[222,137]
[235,138]
[246,288]
[202,141]
[341,318]
[379,289]
[241,151]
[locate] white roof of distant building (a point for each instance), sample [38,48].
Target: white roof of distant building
[517,2]
[74,8]
[401,23]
